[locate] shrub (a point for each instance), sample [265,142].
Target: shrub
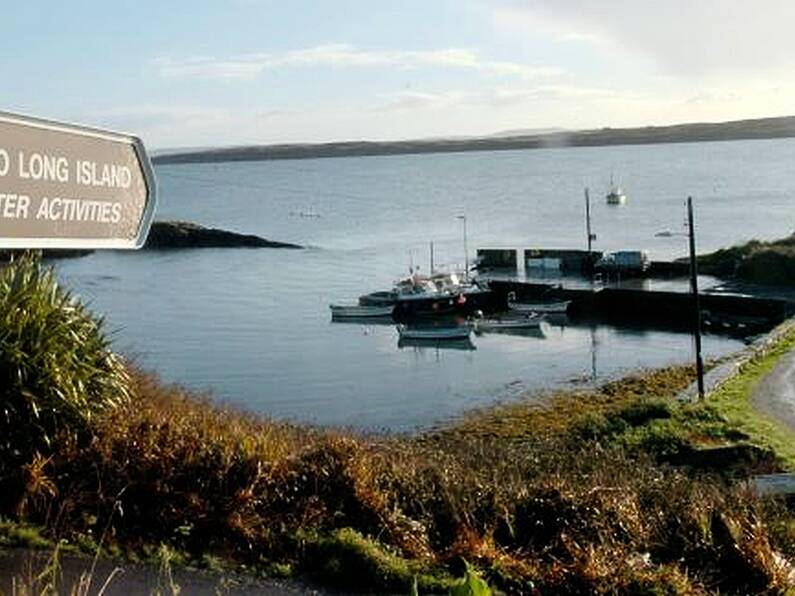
[57,371]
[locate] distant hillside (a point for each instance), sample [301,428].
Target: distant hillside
[525,132]
[763,128]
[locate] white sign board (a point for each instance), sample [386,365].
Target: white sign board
[66,186]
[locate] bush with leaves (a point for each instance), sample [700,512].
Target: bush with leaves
[57,370]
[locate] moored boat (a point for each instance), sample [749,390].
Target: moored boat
[435,295]
[379,298]
[464,344]
[530,321]
[435,333]
[559,307]
[358,311]
[615,196]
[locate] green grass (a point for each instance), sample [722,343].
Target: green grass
[332,558]
[22,535]
[732,403]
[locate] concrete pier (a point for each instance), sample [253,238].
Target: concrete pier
[568,261]
[720,313]
[564,260]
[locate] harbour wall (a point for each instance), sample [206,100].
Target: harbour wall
[729,313]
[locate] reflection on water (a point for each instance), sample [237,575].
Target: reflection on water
[252,326]
[436,344]
[226,322]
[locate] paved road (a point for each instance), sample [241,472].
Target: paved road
[775,393]
[24,565]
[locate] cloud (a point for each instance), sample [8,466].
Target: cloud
[684,37]
[412,100]
[493,98]
[149,115]
[163,124]
[251,66]
[714,96]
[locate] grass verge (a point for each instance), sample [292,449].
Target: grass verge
[732,401]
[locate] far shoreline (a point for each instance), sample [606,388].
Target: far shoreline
[754,129]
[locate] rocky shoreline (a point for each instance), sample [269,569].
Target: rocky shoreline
[172,235]
[181,234]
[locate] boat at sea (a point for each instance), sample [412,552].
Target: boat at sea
[360,312]
[615,196]
[308,212]
[435,333]
[560,307]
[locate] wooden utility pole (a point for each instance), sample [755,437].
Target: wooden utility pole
[696,303]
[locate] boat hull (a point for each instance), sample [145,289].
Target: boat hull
[464,303]
[531,322]
[559,308]
[434,333]
[381,298]
[360,312]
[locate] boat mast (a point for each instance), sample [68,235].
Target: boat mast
[463,218]
[431,257]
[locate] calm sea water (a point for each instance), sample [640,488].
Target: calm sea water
[252,327]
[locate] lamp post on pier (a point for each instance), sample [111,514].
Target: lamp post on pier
[463,219]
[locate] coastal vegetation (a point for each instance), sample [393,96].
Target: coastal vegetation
[771,263]
[620,488]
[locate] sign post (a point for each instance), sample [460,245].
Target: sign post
[67,186]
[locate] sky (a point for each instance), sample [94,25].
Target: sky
[204,73]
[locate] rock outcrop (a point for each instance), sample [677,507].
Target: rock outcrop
[180,234]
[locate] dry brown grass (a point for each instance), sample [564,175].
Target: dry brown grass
[509,490]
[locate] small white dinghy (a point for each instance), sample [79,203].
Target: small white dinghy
[360,312]
[457,332]
[464,344]
[558,308]
[530,321]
